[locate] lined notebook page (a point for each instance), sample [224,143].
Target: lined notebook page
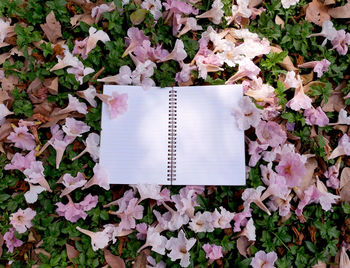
[134,145]
[210,147]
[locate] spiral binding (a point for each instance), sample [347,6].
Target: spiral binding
[172,135]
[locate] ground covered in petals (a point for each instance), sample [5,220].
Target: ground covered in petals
[57,208]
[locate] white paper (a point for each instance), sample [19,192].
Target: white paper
[134,145]
[210,147]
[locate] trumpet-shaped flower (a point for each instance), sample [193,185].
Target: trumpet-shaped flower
[320,66]
[153,6]
[179,248]
[35,174]
[251,195]
[300,100]
[21,162]
[75,128]
[190,25]
[341,42]
[22,138]
[222,219]
[117,104]
[89,95]
[129,213]
[60,146]
[215,14]
[202,222]
[92,147]
[316,117]
[99,240]
[328,31]
[100,178]
[80,71]
[80,48]
[246,68]
[270,133]
[154,240]
[74,105]
[263,260]
[11,241]
[292,167]
[22,219]
[5,29]
[343,147]
[94,37]
[178,53]
[31,196]
[289,3]
[4,111]
[134,39]
[246,114]
[71,183]
[213,252]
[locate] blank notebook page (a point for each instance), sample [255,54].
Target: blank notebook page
[134,145]
[210,147]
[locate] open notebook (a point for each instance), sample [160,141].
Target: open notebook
[178,135]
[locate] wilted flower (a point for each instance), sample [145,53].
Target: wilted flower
[74,105]
[80,71]
[251,195]
[222,219]
[292,167]
[215,13]
[343,147]
[31,196]
[89,95]
[35,174]
[270,133]
[341,42]
[71,183]
[21,162]
[75,128]
[94,37]
[99,240]
[316,117]
[4,111]
[134,39]
[128,213]
[154,240]
[319,66]
[154,6]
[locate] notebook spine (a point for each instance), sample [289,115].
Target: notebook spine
[172,136]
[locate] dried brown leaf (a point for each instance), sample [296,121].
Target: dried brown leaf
[52,85]
[42,251]
[52,28]
[308,179]
[345,177]
[335,103]
[6,128]
[299,236]
[307,78]
[112,260]
[71,252]
[279,21]
[287,62]
[140,261]
[317,13]
[254,3]
[329,2]
[342,12]
[242,245]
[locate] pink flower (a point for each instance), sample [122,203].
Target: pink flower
[190,25]
[100,178]
[11,241]
[241,219]
[263,260]
[123,78]
[316,117]
[74,105]
[292,167]
[185,74]
[292,80]
[75,128]
[255,149]
[179,248]
[178,53]
[215,13]
[89,95]
[270,133]
[343,147]
[31,196]
[35,174]
[287,4]
[300,100]
[80,48]
[134,39]
[249,230]
[128,213]
[5,29]
[71,183]
[118,104]
[311,194]
[246,114]
[202,222]
[176,7]
[261,92]
[185,201]
[344,261]
[171,220]
[123,201]
[21,162]
[22,138]
[80,71]
[328,31]
[22,219]
[341,42]
[332,175]
[222,219]
[251,195]
[141,76]
[213,252]
[319,66]
[326,199]
[97,11]
[149,191]
[142,231]
[95,36]
[92,147]
[281,204]
[60,144]
[155,240]
[154,6]
[74,211]
[4,111]
[152,261]
[99,240]
[246,68]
